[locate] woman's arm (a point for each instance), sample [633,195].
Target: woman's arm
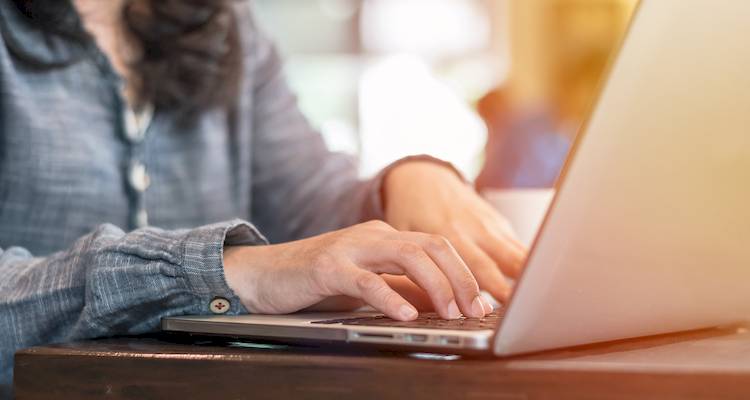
[302,189]
[112,283]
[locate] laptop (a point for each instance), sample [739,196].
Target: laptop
[649,230]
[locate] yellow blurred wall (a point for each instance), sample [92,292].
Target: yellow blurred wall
[559,49]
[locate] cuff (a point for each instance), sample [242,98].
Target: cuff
[373,208]
[203,261]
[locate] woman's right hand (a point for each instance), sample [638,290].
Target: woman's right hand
[287,277]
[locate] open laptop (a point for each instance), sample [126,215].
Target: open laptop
[649,231]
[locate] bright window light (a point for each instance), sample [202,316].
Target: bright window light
[425,27]
[405,109]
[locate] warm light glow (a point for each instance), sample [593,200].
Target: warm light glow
[405,110]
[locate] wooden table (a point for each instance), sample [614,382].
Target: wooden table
[708,364]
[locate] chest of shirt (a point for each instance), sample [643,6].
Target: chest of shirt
[66,161]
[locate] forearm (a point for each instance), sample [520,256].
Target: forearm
[111,283]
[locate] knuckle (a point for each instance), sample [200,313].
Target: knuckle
[368,282]
[409,250]
[467,283]
[438,243]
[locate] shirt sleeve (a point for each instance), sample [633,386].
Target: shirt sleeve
[112,283]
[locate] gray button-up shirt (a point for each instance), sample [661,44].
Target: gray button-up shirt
[72,263]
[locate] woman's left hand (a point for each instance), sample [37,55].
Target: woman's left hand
[426,197]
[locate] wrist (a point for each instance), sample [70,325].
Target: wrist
[239,271]
[406,175]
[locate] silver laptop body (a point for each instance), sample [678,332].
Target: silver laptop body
[649,231]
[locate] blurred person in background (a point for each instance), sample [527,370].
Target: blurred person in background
[524,149]
[153,159]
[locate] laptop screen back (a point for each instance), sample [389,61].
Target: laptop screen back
[650,230]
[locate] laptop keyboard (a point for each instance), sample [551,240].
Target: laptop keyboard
[425,321]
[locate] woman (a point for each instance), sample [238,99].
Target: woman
[135,132]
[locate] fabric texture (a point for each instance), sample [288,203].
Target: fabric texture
[72,262]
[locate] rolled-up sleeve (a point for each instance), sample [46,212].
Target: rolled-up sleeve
[113,283]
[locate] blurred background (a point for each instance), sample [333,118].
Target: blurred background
[498,87]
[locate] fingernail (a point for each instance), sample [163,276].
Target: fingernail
[408,312]
[453,311]
[476,307]
[488,308]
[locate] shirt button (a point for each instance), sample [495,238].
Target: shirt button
[219,305]
[141,219]
[136,124]
[132,130]
[138,177]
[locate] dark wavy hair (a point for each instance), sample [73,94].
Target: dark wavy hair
[191,56]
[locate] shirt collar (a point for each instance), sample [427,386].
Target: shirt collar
[31,44]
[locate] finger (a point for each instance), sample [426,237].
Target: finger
[503,228]
[462,281]
[513,240]
[488,308]
[369,287]
[484,268]
[409,290]
[420,268]
[519,246]
[508,257]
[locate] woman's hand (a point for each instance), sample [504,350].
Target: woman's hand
[425,197]
[288,277]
